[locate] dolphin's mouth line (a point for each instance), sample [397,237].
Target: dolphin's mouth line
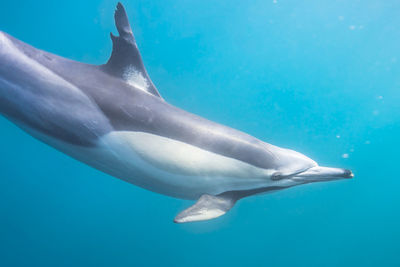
[308,181]
[279,176]
[321,174]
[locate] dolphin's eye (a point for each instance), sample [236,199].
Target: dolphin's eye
[277,176]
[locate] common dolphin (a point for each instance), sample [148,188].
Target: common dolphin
[113,118]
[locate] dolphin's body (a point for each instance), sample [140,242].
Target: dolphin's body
[113,118]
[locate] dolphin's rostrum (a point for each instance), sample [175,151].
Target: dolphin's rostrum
[113,118]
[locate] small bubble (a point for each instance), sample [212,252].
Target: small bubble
[352,27]
[367,142]
[352,150]
[345,156]
[337,136]
[375,112]
[380,97]
[275,1]
[340,18]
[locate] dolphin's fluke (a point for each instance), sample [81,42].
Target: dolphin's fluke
[125,61]
[207,207]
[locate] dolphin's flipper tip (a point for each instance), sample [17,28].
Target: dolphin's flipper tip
[206,208]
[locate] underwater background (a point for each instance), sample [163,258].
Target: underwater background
[320,77]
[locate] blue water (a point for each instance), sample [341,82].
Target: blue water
[321,77]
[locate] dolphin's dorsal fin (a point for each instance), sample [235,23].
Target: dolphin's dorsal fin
[125,60]
[208,207]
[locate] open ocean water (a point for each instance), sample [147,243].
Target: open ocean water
[317,76]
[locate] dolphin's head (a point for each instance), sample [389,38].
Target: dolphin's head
[293,168]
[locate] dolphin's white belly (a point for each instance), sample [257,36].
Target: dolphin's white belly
[181,169]
[164,165]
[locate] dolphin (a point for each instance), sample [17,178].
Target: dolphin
[113,118]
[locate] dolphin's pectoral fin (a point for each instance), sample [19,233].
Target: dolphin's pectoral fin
[125,61]
[207,207]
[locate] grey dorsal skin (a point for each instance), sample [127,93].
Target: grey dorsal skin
[113,118]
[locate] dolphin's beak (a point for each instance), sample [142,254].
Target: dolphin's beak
[348,174]
[320,174]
